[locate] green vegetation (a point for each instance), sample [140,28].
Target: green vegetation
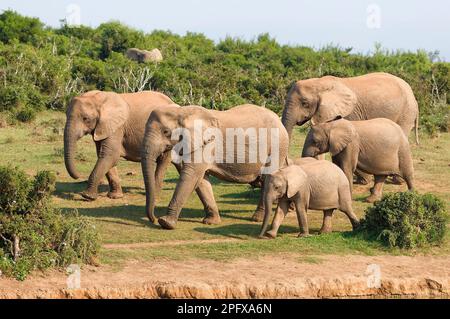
[33,235]
[406,220]
[42,67]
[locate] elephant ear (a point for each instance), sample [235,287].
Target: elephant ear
[335,99]
[296,179]
[113,113]
[341,133]
[196,120]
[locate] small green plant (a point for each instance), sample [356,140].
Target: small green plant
[406,220]
[26,114]
[33,234]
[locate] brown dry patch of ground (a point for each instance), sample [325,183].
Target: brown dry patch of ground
[286,276]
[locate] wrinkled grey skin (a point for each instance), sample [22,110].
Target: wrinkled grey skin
[158,141]
[308,184]
[377,147]
[374,95]
[116,123]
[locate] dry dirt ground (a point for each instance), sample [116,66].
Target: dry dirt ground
[287,276]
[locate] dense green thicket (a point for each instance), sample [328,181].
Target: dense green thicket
[406,220]
[44,67]
[34,235]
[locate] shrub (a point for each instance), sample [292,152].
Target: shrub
[26,114]
[33,234]
[11,97]
[13,26]
[406,220]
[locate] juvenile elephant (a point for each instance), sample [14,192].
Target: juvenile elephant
[308,184]
[376,147]
[117,124]
[230,161]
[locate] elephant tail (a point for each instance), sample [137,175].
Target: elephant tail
[416,129]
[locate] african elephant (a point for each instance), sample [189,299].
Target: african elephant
[308,184]
[376,146]
[374,95]
[231,161]
[117,124]
[143,56]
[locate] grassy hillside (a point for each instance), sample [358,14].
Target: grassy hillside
[42,68]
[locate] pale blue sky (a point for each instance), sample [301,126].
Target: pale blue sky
[403,24]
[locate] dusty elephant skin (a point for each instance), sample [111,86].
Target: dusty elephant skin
[374,95]
[334,277]
[376,147]
[144,56]
[158,140]
[116,123]
[315,184]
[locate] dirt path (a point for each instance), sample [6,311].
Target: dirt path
[169,243]
[286,276]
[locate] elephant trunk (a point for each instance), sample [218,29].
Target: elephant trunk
[70,140]
[268,202]
[289,119]
[149,165]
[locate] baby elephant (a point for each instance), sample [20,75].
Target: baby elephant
[376,146]
[313,184]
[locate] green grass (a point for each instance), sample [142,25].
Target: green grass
[38,146]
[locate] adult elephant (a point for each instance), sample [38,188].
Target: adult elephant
[213,133]
[363,97]
[117,124]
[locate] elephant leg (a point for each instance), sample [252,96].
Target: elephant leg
[281,212]
[301,207]
[190,177]
[326,225]
[206,195]
[377,189]
[107,159]
[258,216]
[410,182]
[115,190]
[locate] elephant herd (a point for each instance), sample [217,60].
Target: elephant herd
[364,122]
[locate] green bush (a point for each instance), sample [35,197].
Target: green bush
[406,220]
[26,114]
[33,234]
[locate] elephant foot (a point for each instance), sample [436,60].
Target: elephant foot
[115,195]
[324,231]
[258,217]
[304,235]
[271,234]
[373,198]
[168,222]
[212,220]
[396,180]
[268,235]
[355,225]
[361,181]
[89,196]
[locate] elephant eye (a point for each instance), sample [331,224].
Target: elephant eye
[167,132]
